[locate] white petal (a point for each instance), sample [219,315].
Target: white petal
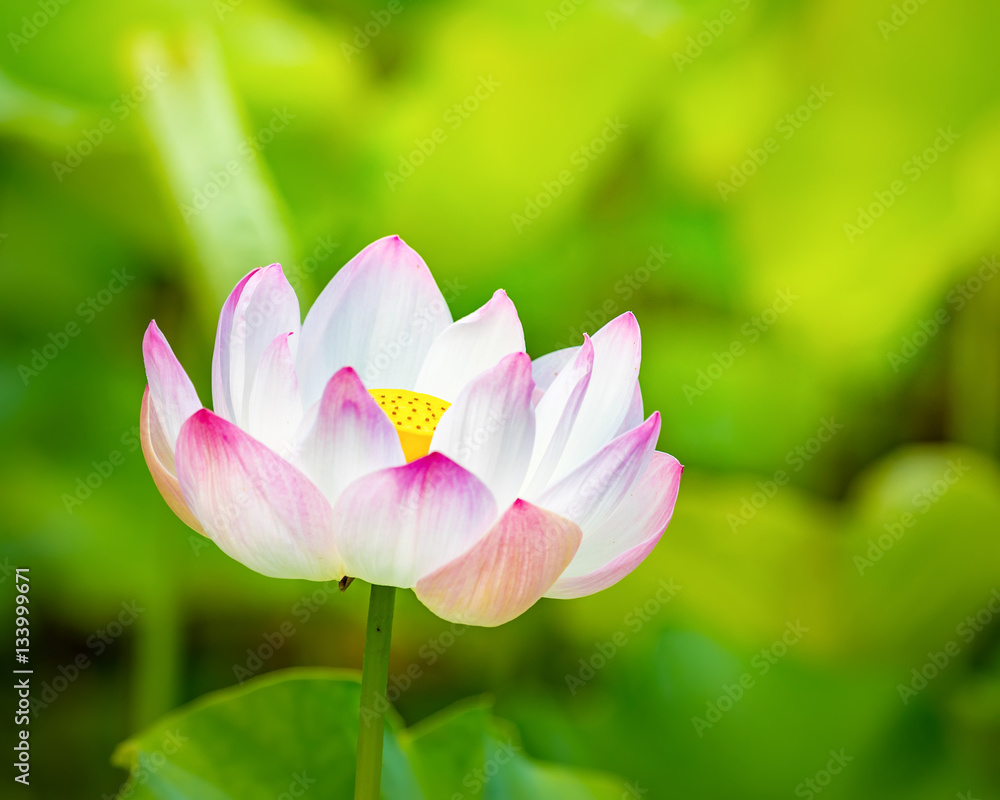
[490,428]
[397,525]
[617,352]
[379,315]
[544,369]
[469,346]
[274,410]
[345,435]
[555,415]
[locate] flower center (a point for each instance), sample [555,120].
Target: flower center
[415,416]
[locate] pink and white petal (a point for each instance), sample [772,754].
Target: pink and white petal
[490,428]
[379,315]
[635,415]
[222,365]
[617,546]
[617,353]
[399,524]
[275,407]
[170,387]
[158,452]
[505,572]
[257,507]
[544,369]
[555,414]
[344,436]
[469,346]
[593,490]
[265,308]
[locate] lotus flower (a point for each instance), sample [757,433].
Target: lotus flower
[381,440]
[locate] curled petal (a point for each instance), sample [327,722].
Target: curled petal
[617,352]
[556,413]
[469,346]
[506,571]
[490,428]
[346,435]
[256,506]
[611,550]
[261,307]
[274,410]
[379,314]
[171,389]
[591,492]
[399,524]
[158,451]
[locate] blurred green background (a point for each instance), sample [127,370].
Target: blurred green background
[800,202]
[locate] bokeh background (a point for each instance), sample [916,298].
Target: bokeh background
[798,200]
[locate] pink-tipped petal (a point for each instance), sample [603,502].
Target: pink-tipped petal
[556,413]
[469,346]
[490,428]
[379,314]
[345,435]
[222,399]
[593,490]
[171,389]
[617,546]
[506,571]
[253,504]
[617,352]
[261,307]
[544,369]
[399,524]
[274,410]
[158,452]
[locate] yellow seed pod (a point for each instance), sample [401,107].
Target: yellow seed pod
[415,416]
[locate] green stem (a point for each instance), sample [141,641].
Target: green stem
[374,680]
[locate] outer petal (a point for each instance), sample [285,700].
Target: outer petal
[379,314]
[345,435]
[617,546]
[469,346]
[171,389]
[555,413]
[261,307]
[256,506]
[593,490]
[635,415]
[399,524]
[158,451]
[491,427]
[506,571]
[544,369]
[617,352]
[274,410]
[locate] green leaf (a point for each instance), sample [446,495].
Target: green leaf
[295,730]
